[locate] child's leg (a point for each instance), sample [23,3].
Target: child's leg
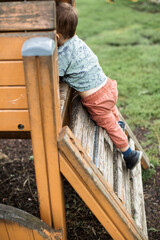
[102,109]
[108,121]
[115,113]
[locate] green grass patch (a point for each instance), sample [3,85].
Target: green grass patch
[126,38]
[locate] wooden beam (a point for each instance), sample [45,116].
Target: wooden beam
[35,115]
[121,225]
[41,74]
[8,40]
[20,16]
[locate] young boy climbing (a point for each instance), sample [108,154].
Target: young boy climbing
[80,68]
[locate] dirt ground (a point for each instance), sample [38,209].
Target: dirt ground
[18,189]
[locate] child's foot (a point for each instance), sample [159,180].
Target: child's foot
[122,125]
[133,159]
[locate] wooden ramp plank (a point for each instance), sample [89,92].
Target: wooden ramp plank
[65,102]
[122,181]
[119,175]
[82,126]
[138,198]
[20,16]
[145,161]
[122,225]
[104,155]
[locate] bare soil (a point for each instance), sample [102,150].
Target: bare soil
[18,189]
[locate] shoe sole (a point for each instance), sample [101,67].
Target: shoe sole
[139,159]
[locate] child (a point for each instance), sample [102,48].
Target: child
[79,67]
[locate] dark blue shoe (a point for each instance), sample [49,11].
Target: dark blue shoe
[122,125]
[133,159]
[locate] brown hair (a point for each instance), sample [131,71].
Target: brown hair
[66,19]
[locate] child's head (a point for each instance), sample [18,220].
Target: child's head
[67,19]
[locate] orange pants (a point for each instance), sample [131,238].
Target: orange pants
[103,111]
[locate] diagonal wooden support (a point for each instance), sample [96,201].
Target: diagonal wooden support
[42,85]
[85,178]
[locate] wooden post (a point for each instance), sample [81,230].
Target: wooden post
[42,84]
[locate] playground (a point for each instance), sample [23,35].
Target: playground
[125,37]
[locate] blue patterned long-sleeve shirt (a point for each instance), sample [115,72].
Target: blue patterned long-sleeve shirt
[79,66]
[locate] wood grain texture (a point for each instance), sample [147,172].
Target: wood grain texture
[41,75]
[144,161]
[16,224]
[13,98]
[122,181]
[104,157]
[123,226]
[20,16]
[11,43]
[82,127]
[138,205]
[65,102]
[11,73]
[12,120]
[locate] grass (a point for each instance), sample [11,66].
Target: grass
[126,38]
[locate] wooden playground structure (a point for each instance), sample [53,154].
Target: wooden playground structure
[64,140]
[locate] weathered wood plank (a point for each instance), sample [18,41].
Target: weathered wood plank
[8,40]
[11,73]
[82,126]
[127,188]
[122,225]
[118,182]
[64,88]
[14,120]
[122,180]
[20,16]
[104,155]
[137,195]
[22,225]
[13,98]
[145,161]
[65,102]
